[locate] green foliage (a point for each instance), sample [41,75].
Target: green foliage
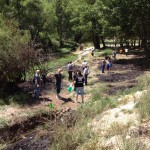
[72,137]
[19,98]
[144,105]
[52,65]
[15,55]
[133,144]
[106,52]
[98,103]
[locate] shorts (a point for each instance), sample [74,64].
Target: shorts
[110,65]
[80,90]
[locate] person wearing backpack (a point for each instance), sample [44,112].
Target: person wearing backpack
[79,82]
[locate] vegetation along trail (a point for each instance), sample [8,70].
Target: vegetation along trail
[40,109]
[125,70]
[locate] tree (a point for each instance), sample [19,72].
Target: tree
[16,57]
[87,20]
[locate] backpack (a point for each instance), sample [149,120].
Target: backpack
[33,80]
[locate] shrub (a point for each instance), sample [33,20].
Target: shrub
[15,55]
[106,52]
[144,105]
[132,144]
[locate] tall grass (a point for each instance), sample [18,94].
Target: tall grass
[144,81]
[132,144]
[68,139]
[143,104]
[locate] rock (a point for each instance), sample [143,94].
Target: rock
[133,131]
[128,137]
[138,94]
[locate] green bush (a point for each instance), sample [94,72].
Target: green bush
[20,98]
[98,103]
[144,105]
[106,52]
[15,55]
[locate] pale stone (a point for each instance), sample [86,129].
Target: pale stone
[128,137]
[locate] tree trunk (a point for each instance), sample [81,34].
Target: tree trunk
[103,42]
[96,41]
[131,43]
[18,10]
[7,2]
[139,42]
[134,43]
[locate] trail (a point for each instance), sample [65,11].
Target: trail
[13,114]
[120,72]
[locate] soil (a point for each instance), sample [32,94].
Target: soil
[34,140]
[123,71]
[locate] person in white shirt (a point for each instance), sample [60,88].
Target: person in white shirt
[84,64]
[126,51]
[92,51]
[86,71]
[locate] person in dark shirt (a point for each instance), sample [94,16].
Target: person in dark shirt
[44,79]
[37,83]
[58,78]
[79,83]
[74,78]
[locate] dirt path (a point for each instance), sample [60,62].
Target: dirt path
[11,114]
[122,71]
[122,75]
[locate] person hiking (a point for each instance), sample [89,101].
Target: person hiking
[74,79]
[79,82]
[126,51]
[121,52]
[44,79]
[84,64]
[37,83]
[103,65]
[86,72]
[58,80]
[107,64]
[110,63]
[92,51]
[114,54]
[69,66]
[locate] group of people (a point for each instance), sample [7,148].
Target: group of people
[79,79]
[121,51]
[77,76]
